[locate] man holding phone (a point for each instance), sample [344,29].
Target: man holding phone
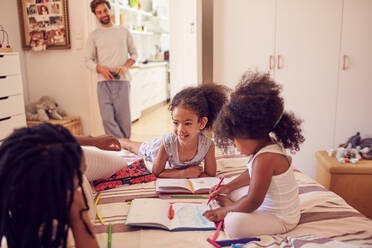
[107,53]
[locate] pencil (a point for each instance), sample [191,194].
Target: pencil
[189,196]
[100,218]
[109,236]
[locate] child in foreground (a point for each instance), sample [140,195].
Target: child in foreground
[264,199]
[178,154]
[41,175]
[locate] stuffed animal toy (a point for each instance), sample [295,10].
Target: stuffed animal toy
[353,150]
[366,143]
[44,109]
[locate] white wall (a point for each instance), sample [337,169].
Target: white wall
[9,20]
[61,74]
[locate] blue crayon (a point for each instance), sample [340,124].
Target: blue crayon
[236,246]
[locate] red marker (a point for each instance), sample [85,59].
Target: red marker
[218,185]
[170,212]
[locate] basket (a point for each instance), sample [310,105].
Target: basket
[72,123]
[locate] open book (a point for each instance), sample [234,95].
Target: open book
[152,212]
[199,185]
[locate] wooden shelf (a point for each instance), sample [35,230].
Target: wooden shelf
[137,11]
[141,32]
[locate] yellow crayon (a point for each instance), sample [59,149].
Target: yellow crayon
[97,199]
[100,218]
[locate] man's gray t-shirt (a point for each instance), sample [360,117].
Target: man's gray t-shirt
[109,47]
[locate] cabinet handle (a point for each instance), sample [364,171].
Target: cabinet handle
[271,62]
[344,64]
[6,118]
[2,77]
[192,26]
[279,60]
[4,98]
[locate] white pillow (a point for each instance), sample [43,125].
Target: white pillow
[102,164]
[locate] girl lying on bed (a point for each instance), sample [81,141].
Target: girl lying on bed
[264,199]
[41,177]
[179,154]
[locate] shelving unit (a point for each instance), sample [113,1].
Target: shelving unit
[149,26]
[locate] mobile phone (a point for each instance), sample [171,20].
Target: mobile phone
[115,75]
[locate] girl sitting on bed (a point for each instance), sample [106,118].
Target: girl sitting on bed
[41,175]
[178,154]
[264,199]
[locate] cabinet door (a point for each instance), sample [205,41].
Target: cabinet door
[185,44]
[355,85]
[243,36]
[308,43]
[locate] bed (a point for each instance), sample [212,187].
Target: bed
[326,219]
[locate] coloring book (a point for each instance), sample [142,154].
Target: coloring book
[198,185]
[171,216]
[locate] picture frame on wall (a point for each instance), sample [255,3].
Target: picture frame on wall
[44,24]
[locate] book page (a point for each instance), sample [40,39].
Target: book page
[171,184]
[204,183]
[149,212]
[189,216]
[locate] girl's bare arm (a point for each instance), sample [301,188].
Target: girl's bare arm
[159,170]
[262,172]
[210,164]
[81,236]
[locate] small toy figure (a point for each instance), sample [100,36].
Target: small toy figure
[353,150]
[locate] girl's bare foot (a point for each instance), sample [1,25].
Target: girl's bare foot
[223,201]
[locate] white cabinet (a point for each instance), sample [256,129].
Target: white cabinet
[185,44]
[299,43]
[355,85]
[307,48]
[243,38]
[149,86]
[12,110]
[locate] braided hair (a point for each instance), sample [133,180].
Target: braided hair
[256,109]
[205,100]
[39,167]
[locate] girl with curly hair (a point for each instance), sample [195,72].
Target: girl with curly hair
[178,154]
[264,199]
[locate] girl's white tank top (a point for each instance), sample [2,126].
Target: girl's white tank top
[282,199]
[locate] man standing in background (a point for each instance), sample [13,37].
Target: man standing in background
[107,54]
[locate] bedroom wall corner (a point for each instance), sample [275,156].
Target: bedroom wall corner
[62,74]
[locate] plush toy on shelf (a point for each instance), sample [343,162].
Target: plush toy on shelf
[353,150]
[46,108]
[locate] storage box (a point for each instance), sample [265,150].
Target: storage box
[72,123]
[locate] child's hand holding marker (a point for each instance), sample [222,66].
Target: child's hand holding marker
[222,190]
[214,191]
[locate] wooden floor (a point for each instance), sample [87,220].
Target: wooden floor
[152,124]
